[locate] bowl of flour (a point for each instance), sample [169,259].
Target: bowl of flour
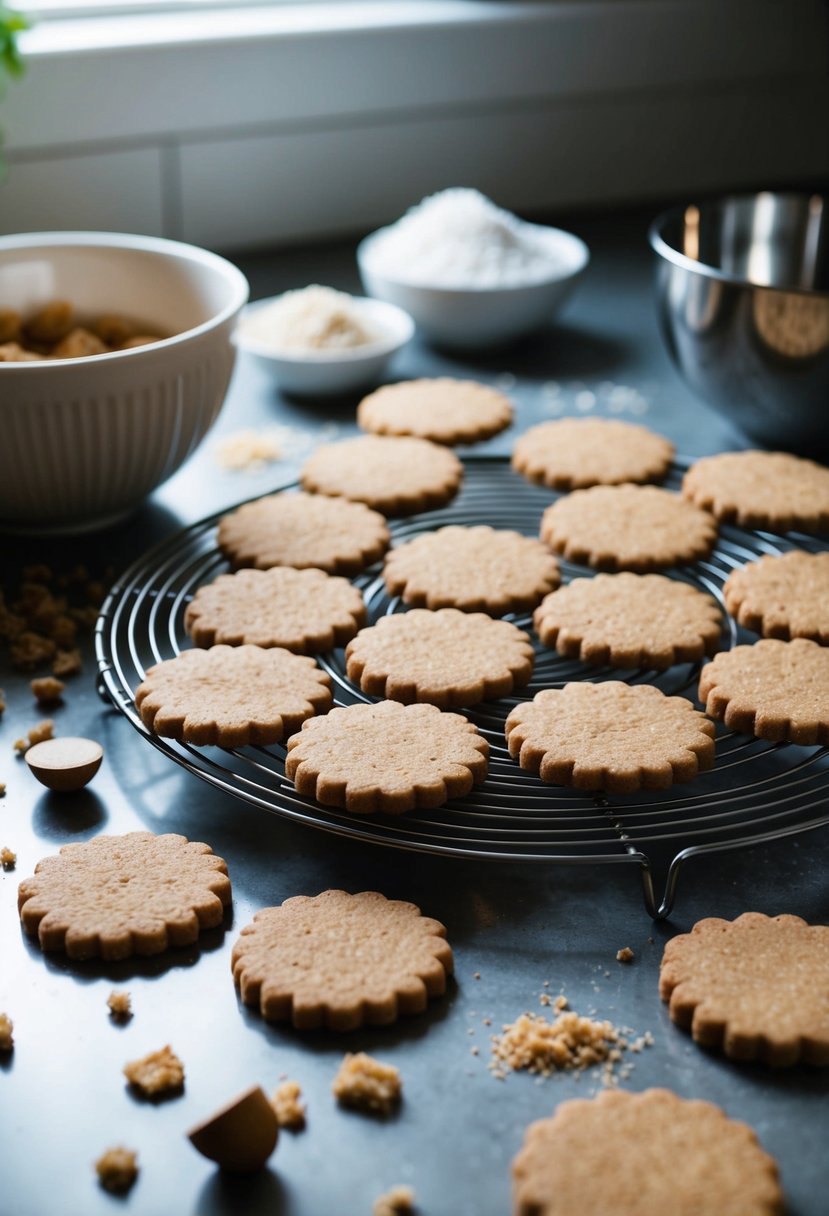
[470,273]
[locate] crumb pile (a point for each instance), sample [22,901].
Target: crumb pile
[6,1036]
[120,1005]
[40,622]
[38,734]
[289,1107]
[117,1169]
[367,1084]
[161,1072]
[8,858]
[571,1042]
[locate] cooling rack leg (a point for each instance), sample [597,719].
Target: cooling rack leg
[662,910]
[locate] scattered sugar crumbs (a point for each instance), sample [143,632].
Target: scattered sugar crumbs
[289,1107]
[366,1084]
[625,955]
[156,1075]
[251,451]
[41,619]
[117,1169]
[399,1201]
[6,1036]
[120,1005]
[8,858]
[38,734]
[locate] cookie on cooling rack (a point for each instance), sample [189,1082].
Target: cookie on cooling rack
[448,658]
[755,988]
[386,757]
[774,690]
[640,528]
[397,476]
[478,569]
[614,737]
[630,620]
[341,961]
[761,490]
[785,596]
[643,1154]
[232,696]
[443,410]
[304,530]
[305,611]
[573,453]
[115,896]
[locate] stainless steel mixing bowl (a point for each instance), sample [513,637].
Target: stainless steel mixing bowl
[743,298]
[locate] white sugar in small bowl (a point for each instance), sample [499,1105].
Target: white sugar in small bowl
[331,373]
[472,317]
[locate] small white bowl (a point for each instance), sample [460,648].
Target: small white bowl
[330,373]
[480,316]
[83,441]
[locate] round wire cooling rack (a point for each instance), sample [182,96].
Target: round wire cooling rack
[756,792]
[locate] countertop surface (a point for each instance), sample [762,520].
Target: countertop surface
[512,927]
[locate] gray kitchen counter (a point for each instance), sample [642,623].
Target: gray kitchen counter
[62,1095]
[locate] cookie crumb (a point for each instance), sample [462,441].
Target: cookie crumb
[8,859]
[160,1072]
[120,1005]
[47,690]
[247,451]
[2,788]
[67,663]
[625,955]
[474,1051]
[366,1084]
[20,746]
[570,1043]
[477,975]
[6,1036]
[117,1169]
[38,734]
[290,1111]
[399,1201]
[30,649]
[561,1003]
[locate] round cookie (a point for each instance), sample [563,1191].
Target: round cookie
[115,896]
[304,530]
[612,736]
[386,757]
[774,690]
[756,988]
[443,410]
[448,658]
[394,476]
[646,1154]
[782,597]
[630,620]
[761,490]
[341,961]
[478,569]
[232,696]
[640,528]
[573,453]
[305,611]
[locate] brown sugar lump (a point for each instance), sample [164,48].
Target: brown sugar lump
[341,961]
[115,896]
[387,758]
[612,736]
[639,528]
[785,596]
[289,1107]
[630,620]
[117,1169]
[232,696]
[756,988]
[6,1034]
[761,490]
[159,1074]
[13,352]
[447,658]
[774,690]
[50,323]
[573,453]
[47,690]
[78,344]
[443,410]
[304,611]
[241,1136]
[643,1154]
[304,530]
[394,476]
[119,1005]
[479,569]
[399,1201]
[365,1084]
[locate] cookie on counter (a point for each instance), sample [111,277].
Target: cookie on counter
[773,690]
[341,961]
[115,896]
[761,490]
[755,987]
[630,620]
[387,758]
[615,737]
[645,1154]
[478,569]
[785,596]
[304,530]
[639,528]
[232,696]
[305,611]
[443,410]
[448,658]
[574,453]
[396,476]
